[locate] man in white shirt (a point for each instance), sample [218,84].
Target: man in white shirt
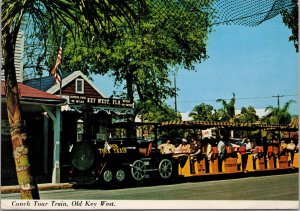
[221,153]
[221,149]
[167,147]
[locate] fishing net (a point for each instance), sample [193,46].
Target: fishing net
[249,12]
[239,12]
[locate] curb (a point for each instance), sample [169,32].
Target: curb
[46,186]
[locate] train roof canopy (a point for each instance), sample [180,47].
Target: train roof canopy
[227,125]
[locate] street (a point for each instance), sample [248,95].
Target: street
[270,187]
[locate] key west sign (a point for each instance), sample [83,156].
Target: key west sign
[77,99]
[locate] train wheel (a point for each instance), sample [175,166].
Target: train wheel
[120,175]
[138,170]
[107,176]
[165,169]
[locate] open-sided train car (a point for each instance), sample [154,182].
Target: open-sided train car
[265,155]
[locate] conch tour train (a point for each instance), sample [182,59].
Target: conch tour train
[140,151]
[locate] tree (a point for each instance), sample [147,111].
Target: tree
[290,19]
[228,111]
[90,16]
[172,33]
[204,112]
[150,113]
[278,115]
[248,115]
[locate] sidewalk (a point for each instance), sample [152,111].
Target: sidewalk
[43,186]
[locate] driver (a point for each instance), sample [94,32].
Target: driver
[166,148]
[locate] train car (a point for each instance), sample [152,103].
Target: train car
[122,160]
[262,156]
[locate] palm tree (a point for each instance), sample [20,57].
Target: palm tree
[203,112]
[278,115]
[228,113]
[89,16]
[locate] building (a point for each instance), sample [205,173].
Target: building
[41,116]
[19,55]
[55,117]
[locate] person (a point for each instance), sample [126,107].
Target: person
[291,146]
[221,153]
[254,150]
[184,147]
[177,146]
[195,147]
[209,150]
[195,150]
[247,143]
[221,149]
[166,148]
[275,146]
[283,149]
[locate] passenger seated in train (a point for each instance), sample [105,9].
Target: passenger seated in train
[275,146]
[247,143]
[254,150]
[209,150]
[184,147]
[195,150]
[166,148]
[291,146]
[195,147]
[177,149]
[283,149]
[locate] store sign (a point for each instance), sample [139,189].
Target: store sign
[101,101]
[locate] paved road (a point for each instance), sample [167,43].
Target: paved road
[272,187]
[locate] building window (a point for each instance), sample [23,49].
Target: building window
[79,86]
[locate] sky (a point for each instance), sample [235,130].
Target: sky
[255,63]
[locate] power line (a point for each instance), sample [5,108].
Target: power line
[242,98]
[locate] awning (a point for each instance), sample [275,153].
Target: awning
[34,96]
[107,109]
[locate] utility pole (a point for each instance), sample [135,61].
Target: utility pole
[175,94]
[278,106]
[278,96]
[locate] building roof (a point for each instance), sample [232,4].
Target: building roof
[44,83]
[48,84]
[29,94]
[71,77]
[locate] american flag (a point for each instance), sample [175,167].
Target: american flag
[54,72]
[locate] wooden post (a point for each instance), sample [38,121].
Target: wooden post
[56,151]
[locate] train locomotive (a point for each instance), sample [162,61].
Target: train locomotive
[119,161]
